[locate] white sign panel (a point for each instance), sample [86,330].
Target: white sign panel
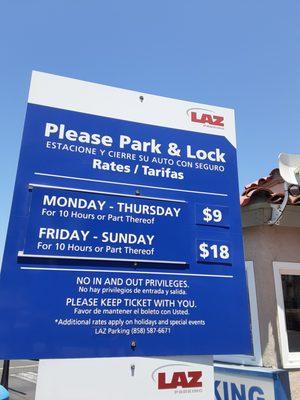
[130,378]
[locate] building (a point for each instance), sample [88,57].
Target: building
[272,254]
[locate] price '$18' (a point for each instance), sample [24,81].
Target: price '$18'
[213,252]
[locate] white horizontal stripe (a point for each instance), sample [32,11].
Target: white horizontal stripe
[23,366]
[137,185]
[123,272]
[33,185]
[22,254]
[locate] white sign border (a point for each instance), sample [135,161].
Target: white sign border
[107,101]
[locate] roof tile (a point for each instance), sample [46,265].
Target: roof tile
[268,189]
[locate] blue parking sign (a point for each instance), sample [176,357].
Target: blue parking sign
[124,236]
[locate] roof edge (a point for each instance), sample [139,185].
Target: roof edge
[260,213]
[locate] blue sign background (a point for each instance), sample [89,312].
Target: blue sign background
[206,304]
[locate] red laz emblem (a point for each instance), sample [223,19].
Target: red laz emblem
[214,120]
[180,379]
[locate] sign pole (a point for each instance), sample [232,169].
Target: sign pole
[5,374]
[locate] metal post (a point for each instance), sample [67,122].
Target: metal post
[5,374]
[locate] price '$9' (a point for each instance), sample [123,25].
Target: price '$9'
[216,252]
[209,214]
[214,215]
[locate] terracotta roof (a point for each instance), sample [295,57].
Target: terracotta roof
[269,189]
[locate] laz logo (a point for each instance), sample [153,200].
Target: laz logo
[190,379]
[206,117]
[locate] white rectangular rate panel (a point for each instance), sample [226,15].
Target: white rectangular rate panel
[130,378]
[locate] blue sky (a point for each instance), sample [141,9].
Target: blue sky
[243,55]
